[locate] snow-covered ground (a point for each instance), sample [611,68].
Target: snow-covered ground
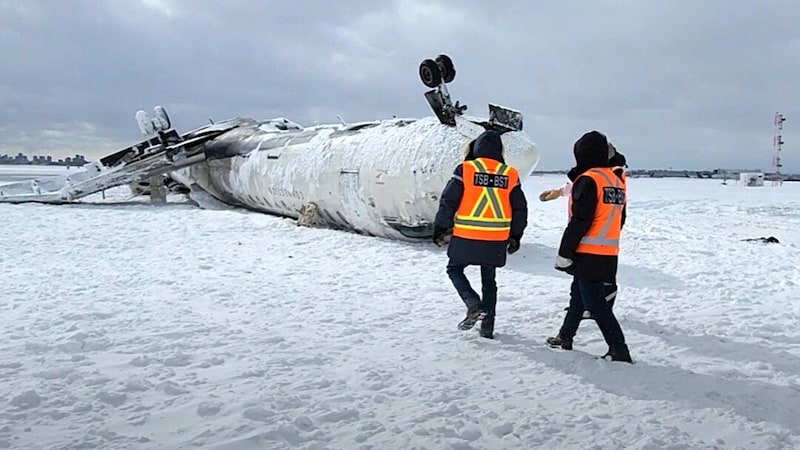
[137,326]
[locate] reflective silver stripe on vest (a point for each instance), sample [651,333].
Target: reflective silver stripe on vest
[599,241]
[607,224]
[483,224]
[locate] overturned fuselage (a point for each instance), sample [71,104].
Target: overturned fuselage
[381,178]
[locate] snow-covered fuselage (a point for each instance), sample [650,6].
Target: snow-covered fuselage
[381,178]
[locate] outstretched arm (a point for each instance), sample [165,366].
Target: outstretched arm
[552,194]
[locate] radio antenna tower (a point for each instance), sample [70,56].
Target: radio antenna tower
[777,142]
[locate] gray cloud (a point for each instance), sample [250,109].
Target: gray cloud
[681,83]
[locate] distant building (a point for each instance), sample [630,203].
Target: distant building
[43,160]
[732,173]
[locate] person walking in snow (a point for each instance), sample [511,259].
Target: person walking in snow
[589,246]
[618,163]
[487,210]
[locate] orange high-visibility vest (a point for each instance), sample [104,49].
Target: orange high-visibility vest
[484,213]
[603,236]
[568,190]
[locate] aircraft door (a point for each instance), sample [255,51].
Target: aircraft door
[354,211]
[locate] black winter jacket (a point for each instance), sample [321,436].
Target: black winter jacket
[584,203]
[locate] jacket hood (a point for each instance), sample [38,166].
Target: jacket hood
[588,154]
[489,145]
[591,150]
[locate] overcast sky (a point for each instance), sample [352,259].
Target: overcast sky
[688,84]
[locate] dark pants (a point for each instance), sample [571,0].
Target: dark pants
[610,296]
[487,302]
[588,295]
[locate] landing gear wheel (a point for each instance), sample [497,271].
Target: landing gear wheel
[429,73]
[163,118]
[145,123]
[446,68]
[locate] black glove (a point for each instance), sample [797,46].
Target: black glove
[513,245]
[438,236]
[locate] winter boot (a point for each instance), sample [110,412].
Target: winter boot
[558,341]
[487,328]
[473,316]
[619,354]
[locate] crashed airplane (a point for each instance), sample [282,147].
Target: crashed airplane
[380,178]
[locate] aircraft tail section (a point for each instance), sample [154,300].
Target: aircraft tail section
[164,152]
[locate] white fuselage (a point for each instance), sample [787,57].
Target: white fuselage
[380,178]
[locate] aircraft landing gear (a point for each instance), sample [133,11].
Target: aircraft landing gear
[436,73]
